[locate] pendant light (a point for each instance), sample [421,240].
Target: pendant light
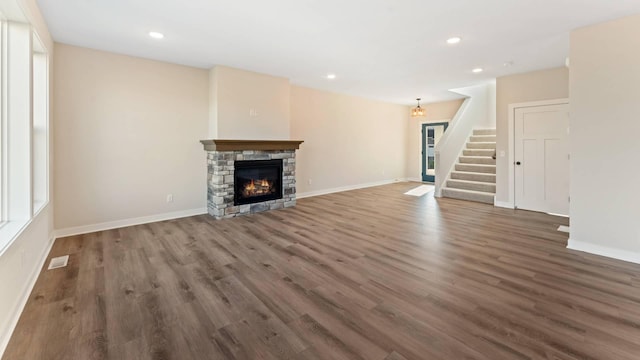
[418,111]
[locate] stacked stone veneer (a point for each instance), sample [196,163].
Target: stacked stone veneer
[220,178]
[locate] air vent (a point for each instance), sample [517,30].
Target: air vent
[58,262]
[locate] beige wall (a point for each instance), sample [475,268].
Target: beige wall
[235,93]
[127,133]
[605,123]
[348,141]
[436,112]
[534,86]
[213,104]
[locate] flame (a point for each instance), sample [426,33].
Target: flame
[258,187]
[251,186]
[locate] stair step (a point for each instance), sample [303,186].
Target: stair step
[470,195]
[473,176]
[481,145]
[484,131]
[482,138]
[472,185]
[489,169]
[478,152]
[486,160]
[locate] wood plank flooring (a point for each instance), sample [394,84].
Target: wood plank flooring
[366,274]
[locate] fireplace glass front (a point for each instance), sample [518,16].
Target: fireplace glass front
[257,181]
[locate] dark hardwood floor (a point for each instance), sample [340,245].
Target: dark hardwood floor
[366,274]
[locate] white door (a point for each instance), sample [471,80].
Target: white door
[542,158]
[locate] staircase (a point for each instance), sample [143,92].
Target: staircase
[474,176]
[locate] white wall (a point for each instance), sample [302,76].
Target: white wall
[435,112]
[20,263]
[348,141]
[605,125]
[533,86]
[127,134]
[248,106]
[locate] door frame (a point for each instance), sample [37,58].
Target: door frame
[511,128]
[423,127]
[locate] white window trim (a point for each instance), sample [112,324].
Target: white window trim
[40,108]
[17,194]
[3,138]
[11,230]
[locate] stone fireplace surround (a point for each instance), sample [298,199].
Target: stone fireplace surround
[221,158]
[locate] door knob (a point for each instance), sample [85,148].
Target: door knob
[517,162]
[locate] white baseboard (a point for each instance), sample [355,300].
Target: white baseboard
[17,312]
[560,215]
[503,204]
[413,179]
[78,230]
[346,188]
[624,255]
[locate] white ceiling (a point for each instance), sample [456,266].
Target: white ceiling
[393,50]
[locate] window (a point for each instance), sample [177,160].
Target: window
[24,130]
[3,140]
[40,132]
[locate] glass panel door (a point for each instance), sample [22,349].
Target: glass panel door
[431,134]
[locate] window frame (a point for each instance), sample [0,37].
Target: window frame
[3,125]
[21,50]
[40,118]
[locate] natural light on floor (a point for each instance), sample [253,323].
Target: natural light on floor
[420,190]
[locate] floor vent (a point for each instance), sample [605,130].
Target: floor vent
[58,262]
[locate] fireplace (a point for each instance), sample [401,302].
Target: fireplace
[257,181]
[250,176]
[226,157]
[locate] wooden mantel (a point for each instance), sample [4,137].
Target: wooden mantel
[238,145]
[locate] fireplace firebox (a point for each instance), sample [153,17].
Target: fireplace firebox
[257,181]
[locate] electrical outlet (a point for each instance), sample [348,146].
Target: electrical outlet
[309,181]
[170,198]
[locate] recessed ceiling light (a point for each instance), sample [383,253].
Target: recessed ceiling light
[454,40]
[477,70]
[156,35]
[331,76]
